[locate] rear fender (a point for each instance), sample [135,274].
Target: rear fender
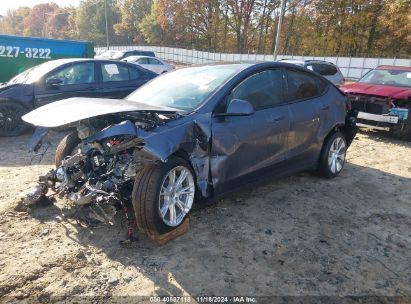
[350,129]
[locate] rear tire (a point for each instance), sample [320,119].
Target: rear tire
[11,123]
[66,147]
[332,158]
[155,196]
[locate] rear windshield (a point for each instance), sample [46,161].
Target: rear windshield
[395,78]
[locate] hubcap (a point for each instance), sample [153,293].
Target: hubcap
[176,195]
[336,156]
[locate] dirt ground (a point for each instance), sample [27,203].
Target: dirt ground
[301,235]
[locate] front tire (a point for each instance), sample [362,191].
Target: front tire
[332,158]
[11,123]
[66,147]
[163,195]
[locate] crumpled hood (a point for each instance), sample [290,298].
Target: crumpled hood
[70,110]
[377,90]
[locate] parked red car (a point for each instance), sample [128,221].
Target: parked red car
[383,99]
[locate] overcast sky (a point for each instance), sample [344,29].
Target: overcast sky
[7,4]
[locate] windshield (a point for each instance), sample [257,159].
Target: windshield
[396,78]
[184,89]
[35,73]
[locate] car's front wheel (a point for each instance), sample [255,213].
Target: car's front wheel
[332,158]
[11,123]
[67,146]
[163,195]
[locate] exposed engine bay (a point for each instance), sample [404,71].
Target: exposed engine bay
[100,170]
[382,113]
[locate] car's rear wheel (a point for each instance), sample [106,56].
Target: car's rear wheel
[163,195]
[11,123]
[332,158]
[67,146]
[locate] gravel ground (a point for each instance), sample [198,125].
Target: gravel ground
[301,235]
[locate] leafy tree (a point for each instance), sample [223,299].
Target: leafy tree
[57,24]
[35,22]
[311,27]
[132,13]
[13,22]
[150,27]
[90,21]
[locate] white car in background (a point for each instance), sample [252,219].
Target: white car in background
[324,68]
[155,65]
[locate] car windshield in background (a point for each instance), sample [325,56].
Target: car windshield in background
[35,73]
[184,89]
[107,54]
[117,55]
[388,77]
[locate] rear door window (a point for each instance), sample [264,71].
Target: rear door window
[142,61]
[116,72]
[302,85]
[154,61]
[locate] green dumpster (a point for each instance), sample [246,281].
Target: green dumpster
[17,54]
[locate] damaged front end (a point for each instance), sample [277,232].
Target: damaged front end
[381,113]
[99,175]
[99,171]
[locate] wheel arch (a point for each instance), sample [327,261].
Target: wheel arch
[27,105]
[200,168]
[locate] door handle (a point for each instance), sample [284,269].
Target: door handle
[324,108]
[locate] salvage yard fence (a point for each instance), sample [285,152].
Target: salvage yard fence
[351,67]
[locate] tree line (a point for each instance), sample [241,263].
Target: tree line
[380,28]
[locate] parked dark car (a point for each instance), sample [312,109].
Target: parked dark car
[119,55]
[196,132]
[383,99]
[64,78]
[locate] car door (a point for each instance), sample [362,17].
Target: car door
[156,65]
[117,80]
[244,145]
[145,64]
[304,91]
[76,80]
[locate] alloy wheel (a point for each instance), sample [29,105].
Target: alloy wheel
[176,195]
[336,155]
[10,118]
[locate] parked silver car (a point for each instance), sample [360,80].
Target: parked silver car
[155,65]
[324,68]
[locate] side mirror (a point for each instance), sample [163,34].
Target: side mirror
[53,82]
[238,107]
